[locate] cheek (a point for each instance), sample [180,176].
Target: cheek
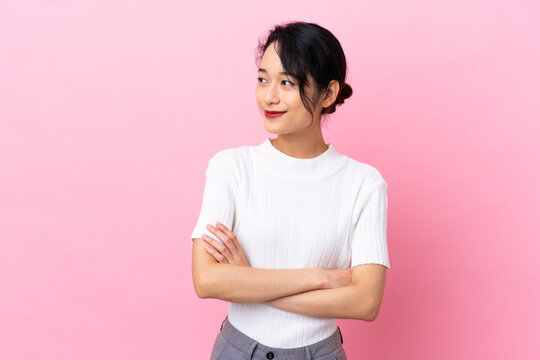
[293,102]
[299,107]
[260,96]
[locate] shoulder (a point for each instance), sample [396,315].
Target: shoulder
[231,160]
[370,182]
[232,157]
[366,174]
[231,154]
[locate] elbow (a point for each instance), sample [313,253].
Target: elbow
[372,314]
[369,312]
[204,281]
[202,288]
[200,292]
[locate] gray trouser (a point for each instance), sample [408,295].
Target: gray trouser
[232,344]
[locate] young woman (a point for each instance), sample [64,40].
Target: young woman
[291,232]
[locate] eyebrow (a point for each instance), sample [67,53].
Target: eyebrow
[281,73]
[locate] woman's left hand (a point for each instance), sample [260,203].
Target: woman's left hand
[230,251]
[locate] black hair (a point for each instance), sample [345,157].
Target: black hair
[307,48]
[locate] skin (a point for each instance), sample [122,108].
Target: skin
[354,293]
[298,133]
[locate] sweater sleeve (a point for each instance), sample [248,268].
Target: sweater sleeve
[219,198]
[368,244]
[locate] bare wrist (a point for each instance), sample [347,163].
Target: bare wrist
[323,279]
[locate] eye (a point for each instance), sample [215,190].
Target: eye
[292,84]
[260,78]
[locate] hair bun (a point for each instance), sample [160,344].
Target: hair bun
[344,93]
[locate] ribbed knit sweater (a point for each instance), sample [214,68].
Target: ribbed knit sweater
[327,212]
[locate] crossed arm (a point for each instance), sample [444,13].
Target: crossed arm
[361,300]
[302,291]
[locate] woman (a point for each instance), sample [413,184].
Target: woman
[291,232]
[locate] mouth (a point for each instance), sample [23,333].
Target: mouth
[273,114]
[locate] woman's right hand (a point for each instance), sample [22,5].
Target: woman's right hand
[337,278]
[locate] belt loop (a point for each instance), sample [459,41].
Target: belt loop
[341,336]
[223,323]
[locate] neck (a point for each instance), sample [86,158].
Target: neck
[302,149]
[315,167]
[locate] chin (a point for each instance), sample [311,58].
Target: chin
[272,127]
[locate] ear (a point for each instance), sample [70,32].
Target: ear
[330,94]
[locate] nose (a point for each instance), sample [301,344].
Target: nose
[272,94]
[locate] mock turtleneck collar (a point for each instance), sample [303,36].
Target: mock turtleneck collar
[293,168]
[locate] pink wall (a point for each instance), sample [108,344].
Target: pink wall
[110,110]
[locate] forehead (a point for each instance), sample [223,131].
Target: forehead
[270,60]
[271,65]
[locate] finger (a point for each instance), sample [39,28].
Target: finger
[220,258]
[223,249]
[210,250]
[227,240]
[226,230]
[225,246]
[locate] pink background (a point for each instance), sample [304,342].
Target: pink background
[110,111]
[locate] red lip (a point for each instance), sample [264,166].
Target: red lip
[273,114]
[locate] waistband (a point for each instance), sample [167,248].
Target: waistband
[246,344]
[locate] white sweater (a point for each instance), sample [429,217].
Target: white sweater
[325,212]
